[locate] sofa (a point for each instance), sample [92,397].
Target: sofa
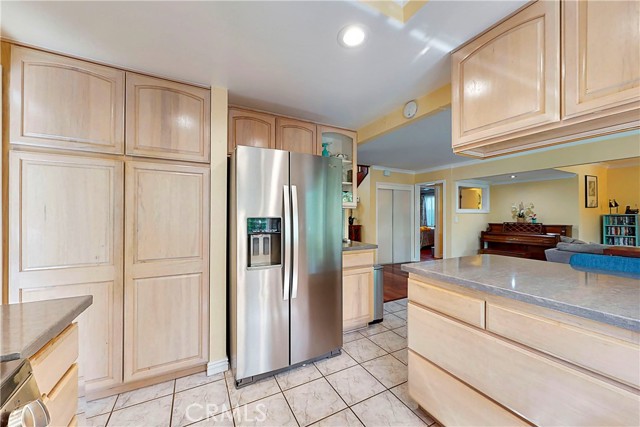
[567,247]
[590,256]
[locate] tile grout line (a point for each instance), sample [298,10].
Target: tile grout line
[284,396]
[173,400]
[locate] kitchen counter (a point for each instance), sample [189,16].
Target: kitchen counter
[605,298]
[27,327]
[352,245]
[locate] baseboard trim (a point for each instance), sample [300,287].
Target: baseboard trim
[217,366]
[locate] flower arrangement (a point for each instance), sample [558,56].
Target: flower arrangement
[522,211]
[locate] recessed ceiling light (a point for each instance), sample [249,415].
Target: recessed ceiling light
[351,36]
[513,176]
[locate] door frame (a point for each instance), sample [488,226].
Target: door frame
[416,203]
[402,187]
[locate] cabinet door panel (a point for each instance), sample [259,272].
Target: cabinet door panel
[166,268]
[508,79]
[356,297]
[166,324]
[295,135]
[65,103]
[66,233]
[99,326]
[167,120]
[602,58]
[251,128]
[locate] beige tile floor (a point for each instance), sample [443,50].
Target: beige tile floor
[365,386]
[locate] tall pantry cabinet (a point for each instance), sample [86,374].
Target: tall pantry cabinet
[123,218]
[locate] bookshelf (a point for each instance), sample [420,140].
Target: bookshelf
[620,230]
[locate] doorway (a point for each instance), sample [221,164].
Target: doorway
[430,221]
[395,216]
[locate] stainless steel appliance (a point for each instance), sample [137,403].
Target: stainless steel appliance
[20,403]
[285,260]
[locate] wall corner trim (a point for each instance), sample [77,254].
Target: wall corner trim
[217,366]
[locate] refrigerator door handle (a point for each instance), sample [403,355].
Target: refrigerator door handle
[287,245]
[296,241]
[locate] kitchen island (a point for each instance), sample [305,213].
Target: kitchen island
[45,334]
[498,340]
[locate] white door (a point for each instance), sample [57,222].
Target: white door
[385,226]
[402,225]
[394,209]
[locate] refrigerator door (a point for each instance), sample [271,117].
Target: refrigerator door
[316,289]
[259,297]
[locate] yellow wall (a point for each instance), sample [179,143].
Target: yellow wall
[623,184]
[218,230]
[470,198]
[556,201]
[589,218]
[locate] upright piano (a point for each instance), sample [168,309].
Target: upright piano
[523,240]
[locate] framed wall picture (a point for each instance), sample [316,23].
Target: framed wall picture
[590,191]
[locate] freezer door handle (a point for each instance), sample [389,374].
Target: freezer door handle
[296,241]
[287,244]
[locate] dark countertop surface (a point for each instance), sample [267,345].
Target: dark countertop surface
[352,245]
[27,327]
[594,295]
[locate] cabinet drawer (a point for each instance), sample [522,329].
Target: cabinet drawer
[357,259]
[62,402]
[541,390]
[462,307]
[463,406]
[569,343]
[54,359]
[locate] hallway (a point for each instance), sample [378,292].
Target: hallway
[395,280]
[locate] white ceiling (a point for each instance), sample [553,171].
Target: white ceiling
[423,144]
[277,56]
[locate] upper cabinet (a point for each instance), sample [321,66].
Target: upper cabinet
[167,120]
[526,84]
[601,56]
[344,144]
[251,128]
[508,79]
[295,135]
[59,102]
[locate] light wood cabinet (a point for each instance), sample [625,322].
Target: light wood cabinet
[167,120]
[251,128]
[343,142]
[59,102]
[357,289]
[601,56]
[508,79]
[65,222]
[532,81]
[166,268]
[295,135]
[545,366]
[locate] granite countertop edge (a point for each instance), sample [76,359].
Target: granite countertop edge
[56,326]
[588,313]
[357,246]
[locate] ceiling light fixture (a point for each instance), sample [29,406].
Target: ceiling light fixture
[351,36]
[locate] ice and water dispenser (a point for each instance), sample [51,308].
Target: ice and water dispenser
[264,241]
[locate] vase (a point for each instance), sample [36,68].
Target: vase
[518,219]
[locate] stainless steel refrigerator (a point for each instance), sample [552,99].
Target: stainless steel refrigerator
[285,299]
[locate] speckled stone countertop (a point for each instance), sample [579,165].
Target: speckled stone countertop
[352,245]
[27,327]
[593,295]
